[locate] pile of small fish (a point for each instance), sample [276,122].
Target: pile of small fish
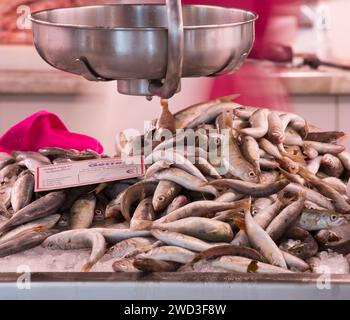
[273,199]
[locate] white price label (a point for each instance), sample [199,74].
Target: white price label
[80,173]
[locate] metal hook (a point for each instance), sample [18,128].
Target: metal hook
[89,72]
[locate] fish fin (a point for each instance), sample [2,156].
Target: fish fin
[239,222]
[253,266]
[230,97]
[99,188]
[87,267]
[295,157]
[164,103]
[306,130]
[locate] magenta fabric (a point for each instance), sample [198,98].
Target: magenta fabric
[45,129]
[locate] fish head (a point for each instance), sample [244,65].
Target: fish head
[335,220]
[251,176]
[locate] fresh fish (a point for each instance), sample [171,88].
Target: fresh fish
[326,137]
[74,193]
[199,209]
[55,152]
[262,218]
[177,203]
[177,160]
[311,195]
[293,177]
[168,253]
[32,164]
[230,250]
[306,249]
[22,191]
[155,167]
[3,210]
[181,240]
[294,263]
[82,212]
[229,196]
[131,247]
[61,160]
[287,118]
[335,239]
[114,235]
[310,205]
[345,159]
[6,159]
[314,165]
[207,168]
[24,242]
[323,148]
[134,193]
[340,204]
[286,218]
[166,120]
[143,215]
[22,155]
[310,152]
[292,138]
[164,194]
[114,189]
[125,265]
[36,225]
[235,163]
[202,266]
[251,189]
[63,222]
[259,124]
[243,265]
[313,220]
[268,177]
[40,208]
[331,165]
[79,239]
[267,164]
[185,180]
[211,113]
[198,227]
[6,191]
[262,242]
[336,183]
[250,150]
[152,265]
[9,172]
[286,163]
[275,132]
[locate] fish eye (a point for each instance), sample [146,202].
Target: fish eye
[254,212]
[297,242]
[161,198]
[333,217]
[252,174]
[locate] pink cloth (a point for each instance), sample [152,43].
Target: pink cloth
[45,129]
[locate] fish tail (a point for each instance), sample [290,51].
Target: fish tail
[87,267]
[229,98]
[100,188]
[164,103]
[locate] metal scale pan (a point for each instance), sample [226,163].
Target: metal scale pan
[147,48]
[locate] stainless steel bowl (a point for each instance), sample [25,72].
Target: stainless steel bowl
[129,43]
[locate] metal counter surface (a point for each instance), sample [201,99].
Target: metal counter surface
[174,286]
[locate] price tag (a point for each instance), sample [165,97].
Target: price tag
[80,173]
